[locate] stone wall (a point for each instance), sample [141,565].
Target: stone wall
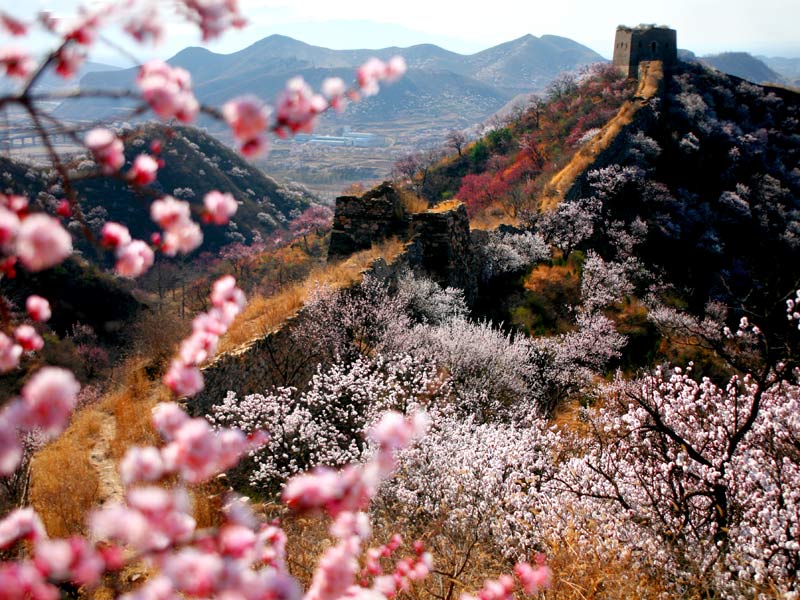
[358,222]
[444,248]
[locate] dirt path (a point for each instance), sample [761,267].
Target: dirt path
[110,488]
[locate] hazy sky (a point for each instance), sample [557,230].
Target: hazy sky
[704,26]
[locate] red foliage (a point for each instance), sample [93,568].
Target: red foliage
[478,191]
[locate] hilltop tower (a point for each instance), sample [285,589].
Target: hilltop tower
[645,42]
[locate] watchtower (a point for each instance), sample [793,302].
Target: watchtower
[645,42]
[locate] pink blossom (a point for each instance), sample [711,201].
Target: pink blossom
[298,107]
[16,62]
[10,353]
[224,291]
[145,25]
[28,338]
[63,208]
[21,524]
[68,61]
[69,560]
[334,491]
[236,540]
[12,25]
[107,149]
[395,68]
[168,418]
[255,146]
[182,238]
[168,91]
[115,235]
[9,226]
[220,207]
[53,558]
[198,452]
[198,347]
[533,578]
[210,322]
[369,75]
[42,242]
[133,259]
[85,31]
[153,519]
[214,16]
[144,169]
[169,212]
[336,571]
[38,308]
[247,117]
[14,202]
[22,580]
[193,572]
[183,379]
[10,448]
[334,89]
[372,72]
[157,588]
[394,431]
[49,397]
[141,464]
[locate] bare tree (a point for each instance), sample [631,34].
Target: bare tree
[457,140]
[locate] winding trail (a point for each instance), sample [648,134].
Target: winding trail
[110,488]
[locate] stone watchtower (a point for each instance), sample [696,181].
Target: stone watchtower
[645,42]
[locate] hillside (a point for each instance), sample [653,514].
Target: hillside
[205,164]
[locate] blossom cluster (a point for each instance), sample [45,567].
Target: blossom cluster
[326,424]
[227,300]
[37,240]
[702,477]
[45,404]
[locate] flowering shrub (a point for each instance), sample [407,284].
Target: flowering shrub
[326,424]
[696,480]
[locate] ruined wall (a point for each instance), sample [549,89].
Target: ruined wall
[444,248]
[358,222]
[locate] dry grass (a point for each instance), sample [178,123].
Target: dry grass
[649,84]
[445,206]
[264,314]
[579,574]
[491,218]
[64,484]
[412,202]
[131,405]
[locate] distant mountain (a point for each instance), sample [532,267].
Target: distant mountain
[744,65]
[51,81]
[788,68]
[439,83]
